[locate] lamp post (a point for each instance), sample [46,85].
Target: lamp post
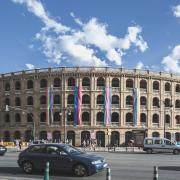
[24,111]
[67,112]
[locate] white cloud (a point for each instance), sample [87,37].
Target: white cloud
[139,65]
[82,45]
[176,11]
[30,66]
[172,61]
[36,7]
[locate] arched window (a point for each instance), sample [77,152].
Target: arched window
[57,82]
[43,135]
[115,117]
[85,99]
[129,117]
[7,102]
[167,118]
[17,135]
[17,101]
[178,88]
[7,86]
[129,83]
[156,102]
[29,117]
[56,136]
[155,85]
[155,134]
[85,117]
[17,118]
[70,99]
[70,117]
[7,118]
[143,118]
[177,136]
[129,100]
[143,84]
[100,99]
[115,99]
[17,85]
[100,117]
[56,117]
[43,83]
[167,102]
[7,136]
[167,86]
[100,82]
[30,84]
[177,103]
[43,99]
[177,119]
[43,117]
[143,101]
[30,100]
[71,82]
[86,82]
[155,118]
[57,99]
[115,82]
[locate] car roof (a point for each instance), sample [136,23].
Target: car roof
[157,138]
[47,144]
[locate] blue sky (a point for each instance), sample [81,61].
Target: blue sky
[119,33]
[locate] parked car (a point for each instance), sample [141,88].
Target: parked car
[156,144]
[3,150]
[62,157]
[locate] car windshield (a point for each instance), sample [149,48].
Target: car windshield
[72,150]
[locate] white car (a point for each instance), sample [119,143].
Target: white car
[37,142]
[158,145]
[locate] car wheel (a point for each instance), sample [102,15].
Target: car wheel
[27,167]
[149,151]
[176,151]
[80,170]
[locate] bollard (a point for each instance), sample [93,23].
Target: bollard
[155,173]
[108,173]
[46,175]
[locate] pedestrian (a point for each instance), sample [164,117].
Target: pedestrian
[20,144]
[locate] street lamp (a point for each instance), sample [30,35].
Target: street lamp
[67,110]
[23,111]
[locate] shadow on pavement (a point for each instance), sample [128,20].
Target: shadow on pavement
[169,168]
[19,172]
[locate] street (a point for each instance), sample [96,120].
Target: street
[125,166]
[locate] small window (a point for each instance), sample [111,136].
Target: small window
[38,149]
[157,141]
[167,142]
[149,141]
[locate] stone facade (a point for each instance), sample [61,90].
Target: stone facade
[25,93]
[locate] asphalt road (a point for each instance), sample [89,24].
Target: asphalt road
[124,166]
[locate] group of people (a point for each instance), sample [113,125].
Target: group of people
[18,144]
[89,143]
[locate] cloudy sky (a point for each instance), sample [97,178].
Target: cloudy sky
[120,33]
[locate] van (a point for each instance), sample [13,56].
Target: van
[158,145]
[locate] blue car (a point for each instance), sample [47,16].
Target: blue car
[61,157]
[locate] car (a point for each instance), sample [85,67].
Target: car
[37,142]
[3,150]
[156,144]
[61,157]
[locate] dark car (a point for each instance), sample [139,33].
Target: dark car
[3,150]
[61,157]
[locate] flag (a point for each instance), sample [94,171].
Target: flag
[136,107]
[77,105]
[49,109]
[107,106]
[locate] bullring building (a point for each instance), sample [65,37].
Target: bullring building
[25,93]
